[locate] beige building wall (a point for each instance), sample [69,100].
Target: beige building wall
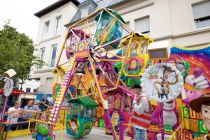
[169,19]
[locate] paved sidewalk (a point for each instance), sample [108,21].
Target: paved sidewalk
[96,134]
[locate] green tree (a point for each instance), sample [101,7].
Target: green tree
[16,52]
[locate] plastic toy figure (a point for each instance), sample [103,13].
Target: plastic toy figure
[202,105]
[164,83]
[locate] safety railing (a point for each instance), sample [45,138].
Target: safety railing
[25,128]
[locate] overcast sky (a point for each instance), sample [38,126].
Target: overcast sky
[20,13]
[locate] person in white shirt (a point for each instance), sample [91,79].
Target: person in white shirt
[141,116]
[13,115]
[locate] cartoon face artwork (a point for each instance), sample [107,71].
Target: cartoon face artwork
[162,82]
[205,115]
[72,124]
[115,118]
[133,66]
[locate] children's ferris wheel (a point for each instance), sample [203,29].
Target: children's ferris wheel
[100,54]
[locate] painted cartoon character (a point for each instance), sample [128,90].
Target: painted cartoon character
[183,67]
[198,79]
[188,96]
[170,115]
[73,125]
[202,106]
[164,83]
[133,65]
[115,120]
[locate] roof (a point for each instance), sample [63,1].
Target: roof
[110,3]
[90,4]
[86,101]
[94,5]
[54,6]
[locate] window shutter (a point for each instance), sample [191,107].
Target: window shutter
[201,9]
[142,25]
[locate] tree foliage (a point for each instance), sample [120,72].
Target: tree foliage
[16,52]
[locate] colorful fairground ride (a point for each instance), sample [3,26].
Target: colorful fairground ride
[91,67]
[100,61]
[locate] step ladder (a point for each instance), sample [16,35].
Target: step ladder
[54,111]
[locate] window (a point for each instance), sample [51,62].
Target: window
[46,29]
[35,90]
[53,56]
[142,25]
[28,89]
[84,12]
[42,52]
[57,25]
[48,86]
[201,14]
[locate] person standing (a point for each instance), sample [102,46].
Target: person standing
[13,115]
[30,109]
[141,116]
[44,103]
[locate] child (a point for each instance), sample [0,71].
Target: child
[141,116]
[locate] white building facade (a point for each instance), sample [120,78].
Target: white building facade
[50,37]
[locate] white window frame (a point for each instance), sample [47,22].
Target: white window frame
[57,28]
[46,30]
[51,57]
[42,55]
